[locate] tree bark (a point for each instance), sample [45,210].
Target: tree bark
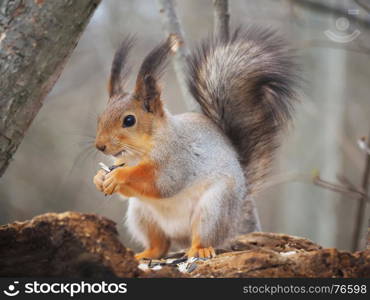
[361,209]
[68,244]
[36,39]
[86,245]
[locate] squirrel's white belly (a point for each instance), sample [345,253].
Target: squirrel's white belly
[174,214]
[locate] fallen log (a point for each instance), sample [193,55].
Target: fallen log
[87,245]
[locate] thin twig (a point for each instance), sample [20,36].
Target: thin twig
[221,18]
[338,188]
[345,181]
[282,178]
[356,243]
[172,26]
[349,189]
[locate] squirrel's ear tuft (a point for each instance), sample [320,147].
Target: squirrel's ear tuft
[152,68]
[120,70]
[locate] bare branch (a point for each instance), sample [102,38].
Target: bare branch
[346,182]
[172,26]
[339,188]
[368,236]
[221,18]
[36,39]
[356,243]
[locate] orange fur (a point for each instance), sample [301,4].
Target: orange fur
[138,181]
[158,244]
[197,249]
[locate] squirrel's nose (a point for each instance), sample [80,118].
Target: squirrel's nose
[101,147]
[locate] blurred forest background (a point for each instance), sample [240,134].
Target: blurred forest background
[55,164]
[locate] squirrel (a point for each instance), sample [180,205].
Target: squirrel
[190,177]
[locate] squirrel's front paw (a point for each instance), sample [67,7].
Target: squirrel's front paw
[112,181]
[99,179]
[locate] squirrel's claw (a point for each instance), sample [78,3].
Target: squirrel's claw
[109,185]
[207,252]
[111,182]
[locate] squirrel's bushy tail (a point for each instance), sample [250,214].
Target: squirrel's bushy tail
[246,85]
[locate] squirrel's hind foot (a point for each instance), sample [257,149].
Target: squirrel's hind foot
[207,252]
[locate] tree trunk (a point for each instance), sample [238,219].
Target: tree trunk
[221,18]
[171,25]
[36,39]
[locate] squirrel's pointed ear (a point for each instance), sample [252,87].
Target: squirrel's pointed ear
[147,89]
[120,70]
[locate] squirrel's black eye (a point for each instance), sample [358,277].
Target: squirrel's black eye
[129,121]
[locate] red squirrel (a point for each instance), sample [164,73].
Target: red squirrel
[190,177]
